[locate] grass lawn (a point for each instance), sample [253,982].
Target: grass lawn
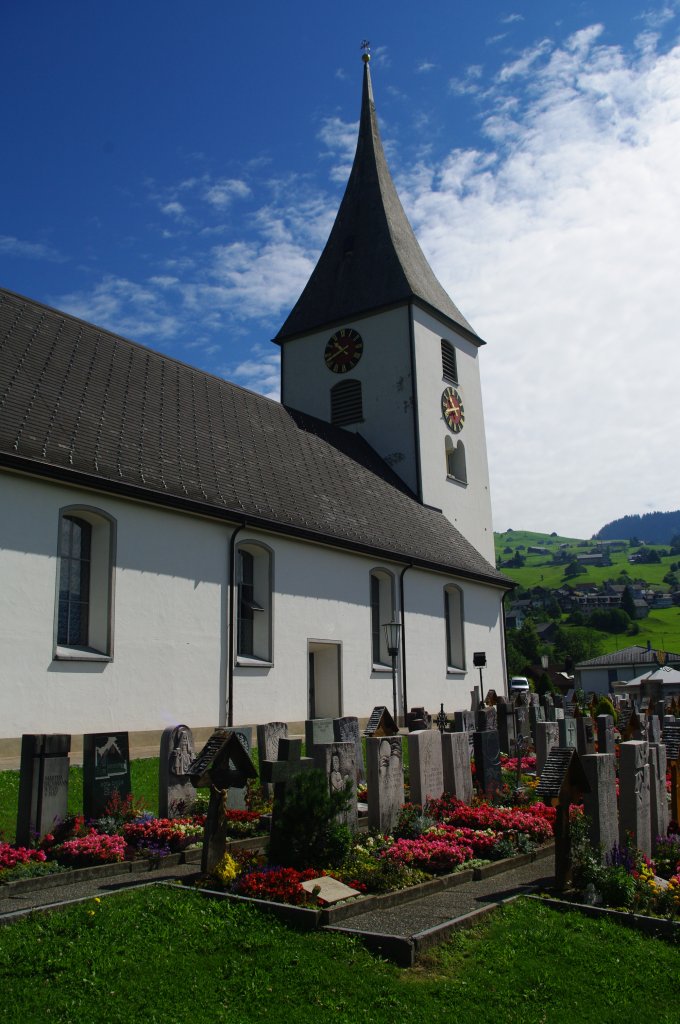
[156,956]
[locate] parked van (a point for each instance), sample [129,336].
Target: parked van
[519,684]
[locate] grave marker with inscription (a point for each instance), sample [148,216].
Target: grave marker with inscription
[346,730]
[425,765]
[456,766]
[634,808]
[599,804]
[318,731]
[487,754]
[106,771]
[338,763]
[605,734]
[547,737]
[43,785]
[385,769]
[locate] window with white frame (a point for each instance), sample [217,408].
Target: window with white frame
[382,611]
[456,468]
[254,603]
[84,606]
[455,635]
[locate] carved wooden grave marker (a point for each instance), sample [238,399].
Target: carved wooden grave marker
[223,762]
[381,723]
[563,782]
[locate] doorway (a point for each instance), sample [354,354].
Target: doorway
[324,679]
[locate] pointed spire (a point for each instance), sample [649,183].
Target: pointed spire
[372,259]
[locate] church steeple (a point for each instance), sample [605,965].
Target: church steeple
[372,259]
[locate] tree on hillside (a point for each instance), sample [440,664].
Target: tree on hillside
[610,620]
[574,569]
[577,644]
[628,603]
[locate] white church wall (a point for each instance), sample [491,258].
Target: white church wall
[467,505]
[387,386]
[169,605]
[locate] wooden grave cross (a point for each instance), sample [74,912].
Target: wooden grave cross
[223,762]
[563,782]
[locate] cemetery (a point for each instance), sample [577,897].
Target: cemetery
[338,819]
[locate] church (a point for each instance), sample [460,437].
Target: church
[175,548]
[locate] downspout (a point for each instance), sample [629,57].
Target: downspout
[232,624]
[403,637]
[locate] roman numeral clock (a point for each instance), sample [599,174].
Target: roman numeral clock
[343,350]
[453,410]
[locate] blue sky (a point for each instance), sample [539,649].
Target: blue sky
[171,172]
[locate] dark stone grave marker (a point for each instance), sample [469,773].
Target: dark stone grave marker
[176,791]
[106,770]
[43,785]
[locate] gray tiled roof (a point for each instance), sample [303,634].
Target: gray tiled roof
[79,403]
[635,655]
[372,259]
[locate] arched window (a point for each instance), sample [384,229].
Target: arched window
[456,468]
[84,613]
[449,363]
[346,403]
[382,611]
[455,632]
[254,607]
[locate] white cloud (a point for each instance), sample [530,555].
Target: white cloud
[11,246]
[124,307]
[221,193]
[261,373]
[173,209]
[425,66]
[562,246]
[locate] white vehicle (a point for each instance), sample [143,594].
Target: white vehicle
[519,684]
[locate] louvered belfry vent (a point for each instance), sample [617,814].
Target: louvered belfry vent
[346,403]
[449,367]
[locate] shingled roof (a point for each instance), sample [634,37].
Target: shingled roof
[372,259]
[634,655]
[82,405]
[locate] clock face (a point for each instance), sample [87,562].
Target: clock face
[343,350]
[452,408]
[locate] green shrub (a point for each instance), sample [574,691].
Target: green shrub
[605,707]
[306,831]
[617,887]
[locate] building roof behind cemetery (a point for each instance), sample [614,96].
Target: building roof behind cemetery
[87,407]
[635,655]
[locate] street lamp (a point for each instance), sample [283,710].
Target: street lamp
[392,636]
[479,661]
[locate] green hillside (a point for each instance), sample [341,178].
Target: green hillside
[661,627]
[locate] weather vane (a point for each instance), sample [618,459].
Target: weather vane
[366,47]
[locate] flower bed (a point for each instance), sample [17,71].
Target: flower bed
[92,848]
[536,821]
[169,834]
[12,856]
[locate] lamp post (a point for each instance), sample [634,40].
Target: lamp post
[479,661]
[392,636]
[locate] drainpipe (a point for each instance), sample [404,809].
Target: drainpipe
[232,622]
[403,636]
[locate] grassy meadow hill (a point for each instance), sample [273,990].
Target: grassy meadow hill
[542,569]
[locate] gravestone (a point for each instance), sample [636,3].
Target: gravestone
[566,732]
[338,763]
[654,729]
[605,734]
[381,723]
[585,735]
[346,730]
[487,754]
[660,709]
[289,764]
[672,741]
[491,716]
[563,781]
[658,798]
[634,809]
[464,721]
[474,698]
[268,736]
[106,770]
[176,792]
[599,804]
[534,699]
[418,718]
[329,890]
[484,718]
[457,775]
[43,785]
[506,727]
[558,714]
[536,715]
[522,721]
[426,768]
[385,770]
[222,763]
[317,732]
[547,737]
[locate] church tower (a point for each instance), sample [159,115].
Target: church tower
[375,345]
